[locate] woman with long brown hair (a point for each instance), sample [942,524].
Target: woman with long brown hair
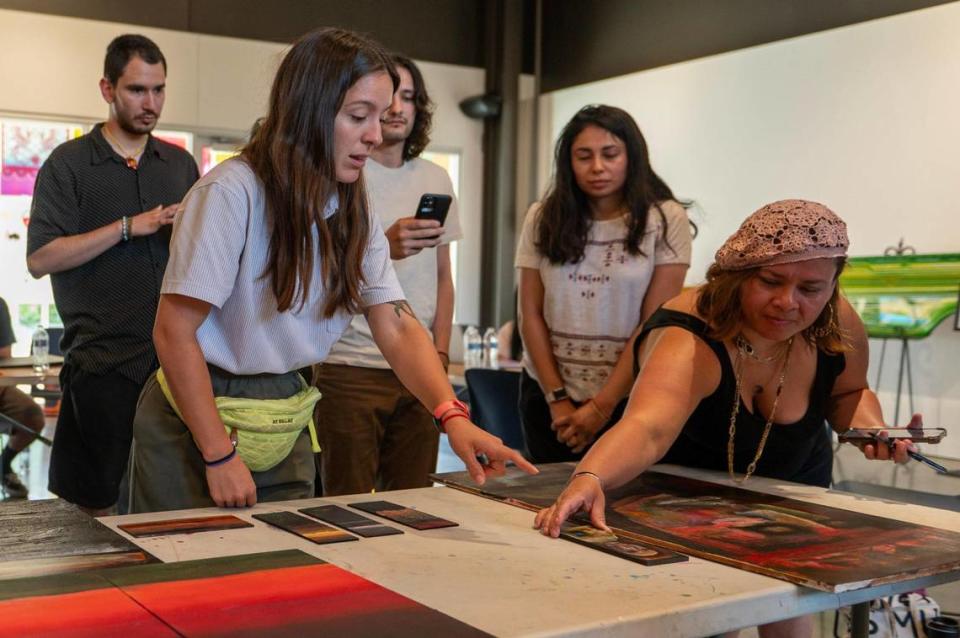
[608,245]
[273,253]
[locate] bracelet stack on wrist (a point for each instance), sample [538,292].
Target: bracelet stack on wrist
[449,410]
[125,228]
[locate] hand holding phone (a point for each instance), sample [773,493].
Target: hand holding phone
[409,235]
[433,206]
[869,435]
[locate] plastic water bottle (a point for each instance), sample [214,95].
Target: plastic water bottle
[491,349]
[472,348]
[41,351]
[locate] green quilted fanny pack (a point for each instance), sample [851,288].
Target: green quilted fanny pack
[265,429]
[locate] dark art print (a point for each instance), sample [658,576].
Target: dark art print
[403,515]
[54,537]
[184,525]
[620,547]
[804,543]
[350,521]
[304,527]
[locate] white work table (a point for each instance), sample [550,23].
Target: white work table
[497,574]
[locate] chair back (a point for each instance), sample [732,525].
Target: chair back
[494,403]
[55,334]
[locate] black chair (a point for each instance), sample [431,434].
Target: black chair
[494,397]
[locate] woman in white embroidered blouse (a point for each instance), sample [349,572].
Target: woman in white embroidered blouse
[607,245]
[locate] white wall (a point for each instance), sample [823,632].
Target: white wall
[215,85]
[865,119]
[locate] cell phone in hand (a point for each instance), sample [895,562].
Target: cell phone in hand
[433,206]
[866,435]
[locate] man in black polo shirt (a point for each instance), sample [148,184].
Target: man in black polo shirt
[100,226]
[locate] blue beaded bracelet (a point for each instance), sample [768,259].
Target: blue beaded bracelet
[221,461]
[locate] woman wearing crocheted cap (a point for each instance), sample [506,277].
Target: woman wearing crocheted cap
[740,374]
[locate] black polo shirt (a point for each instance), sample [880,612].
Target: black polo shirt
[108,304]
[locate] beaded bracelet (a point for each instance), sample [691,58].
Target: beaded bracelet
[125,228]
[221,461]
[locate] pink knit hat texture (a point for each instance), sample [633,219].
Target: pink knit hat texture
[784,232]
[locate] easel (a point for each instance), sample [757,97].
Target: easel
[897,251]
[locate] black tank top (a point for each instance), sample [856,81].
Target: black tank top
[798,452]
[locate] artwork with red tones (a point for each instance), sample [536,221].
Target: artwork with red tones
[184,525]
[25,147]
[814,545]
[277,594]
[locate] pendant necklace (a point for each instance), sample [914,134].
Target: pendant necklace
[738,375]
[129,158]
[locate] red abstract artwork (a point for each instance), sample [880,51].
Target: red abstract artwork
[286,593]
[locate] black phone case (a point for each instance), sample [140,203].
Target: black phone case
[433,206]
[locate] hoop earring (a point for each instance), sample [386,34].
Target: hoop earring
[829,328]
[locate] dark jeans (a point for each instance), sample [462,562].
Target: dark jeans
[541,442]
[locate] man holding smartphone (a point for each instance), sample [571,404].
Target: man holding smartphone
[373,432]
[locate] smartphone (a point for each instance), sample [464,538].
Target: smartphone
[926,435]
[433,206]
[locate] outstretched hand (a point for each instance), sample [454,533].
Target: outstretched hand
[582,494]
[483,453]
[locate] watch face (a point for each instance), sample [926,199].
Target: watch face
[556,395]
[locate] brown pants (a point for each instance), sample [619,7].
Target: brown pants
[373,433]
[21,408]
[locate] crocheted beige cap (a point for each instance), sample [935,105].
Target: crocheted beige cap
[784,232]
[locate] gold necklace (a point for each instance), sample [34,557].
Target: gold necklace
[738,375]
[131,158]
[746,349]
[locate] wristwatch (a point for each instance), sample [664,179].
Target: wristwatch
[558,394]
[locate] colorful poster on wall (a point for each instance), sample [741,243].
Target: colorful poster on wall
[25,147]
[178,138]
[210,157]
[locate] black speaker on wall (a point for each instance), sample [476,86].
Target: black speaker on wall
[481,106]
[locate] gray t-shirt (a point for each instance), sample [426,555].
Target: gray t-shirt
[219,253]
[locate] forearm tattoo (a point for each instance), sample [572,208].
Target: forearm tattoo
[401,306]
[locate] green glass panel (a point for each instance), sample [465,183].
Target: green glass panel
[904,296]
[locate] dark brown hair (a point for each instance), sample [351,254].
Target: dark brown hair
[565,214]
[419,136]
[718,304]
[293,155]
[124,47]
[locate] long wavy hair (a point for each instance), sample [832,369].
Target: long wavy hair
[419,136]
[718,303]
[565,214]
[293,155]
